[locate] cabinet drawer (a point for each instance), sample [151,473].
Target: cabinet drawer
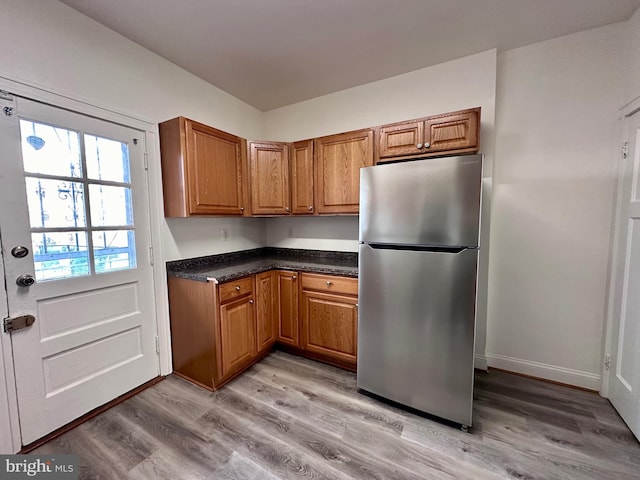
[329,283]
[236,289]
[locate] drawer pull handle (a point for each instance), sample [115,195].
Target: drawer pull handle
[329,283]
[237,289]
[251,302]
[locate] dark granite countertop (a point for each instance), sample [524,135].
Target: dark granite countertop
[230,266]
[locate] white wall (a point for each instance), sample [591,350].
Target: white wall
[50,45]
[319,233]
[463,83]
[194,237]
[631,59]
[552,205]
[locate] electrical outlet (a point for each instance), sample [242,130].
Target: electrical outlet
[225,234]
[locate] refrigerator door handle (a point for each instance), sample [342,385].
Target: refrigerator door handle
[417,248]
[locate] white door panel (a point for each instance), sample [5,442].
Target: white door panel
[624,384]
[7,444]
[77,198]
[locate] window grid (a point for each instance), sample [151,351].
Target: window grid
[89,229]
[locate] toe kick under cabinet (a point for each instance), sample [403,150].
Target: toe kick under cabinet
[219,330]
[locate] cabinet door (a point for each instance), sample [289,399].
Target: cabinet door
[302,178]
[338,162]
[288,328]
[330,325]
[214,171]
[401,139]
[269,165]
[237,335]
[458,131]
[266,310]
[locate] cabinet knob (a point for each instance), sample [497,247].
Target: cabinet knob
[242,209]
[419,146]
[427,144]
[286,209]
[237,289]
[293,277]
[251,302]
[329,283]
[311,208]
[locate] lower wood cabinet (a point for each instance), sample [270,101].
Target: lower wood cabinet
[219,330]
[266,310]
[329,317]
[237,335]
[287,300]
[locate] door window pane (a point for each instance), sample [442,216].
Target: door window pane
[114,250]
[50,150]
[107,159]
[60,255]
[110,206]
[55,203]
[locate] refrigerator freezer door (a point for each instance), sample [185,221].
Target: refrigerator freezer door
[416,329]
[424,202]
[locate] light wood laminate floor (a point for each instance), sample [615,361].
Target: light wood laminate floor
[288,417]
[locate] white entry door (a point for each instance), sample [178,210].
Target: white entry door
[624,386]
[74,227]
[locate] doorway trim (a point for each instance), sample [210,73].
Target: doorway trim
[156,215]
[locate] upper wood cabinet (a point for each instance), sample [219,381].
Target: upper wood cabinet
[302,178]
[455,132]
[337,174]
[209,172]
[202,170]
[269,167]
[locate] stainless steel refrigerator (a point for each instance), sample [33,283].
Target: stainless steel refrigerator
[418,256]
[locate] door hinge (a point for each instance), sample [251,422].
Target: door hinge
[157,345]
[625,149]
[607,362]
[18,323]
[146,161]
[151,260]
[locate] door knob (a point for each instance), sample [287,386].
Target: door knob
[19,251]
[25,280]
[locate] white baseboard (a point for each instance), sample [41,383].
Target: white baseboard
[480,362]
[555,373]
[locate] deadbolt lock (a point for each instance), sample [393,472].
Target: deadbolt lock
[19,251]
[25,280]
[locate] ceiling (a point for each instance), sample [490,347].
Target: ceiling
[271,53]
